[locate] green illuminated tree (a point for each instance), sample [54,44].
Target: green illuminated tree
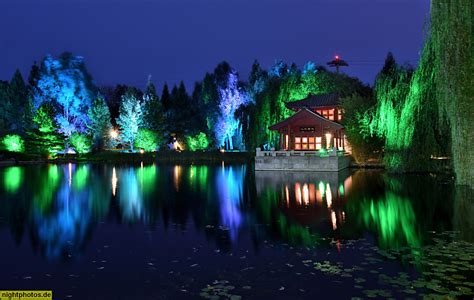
[148,140]
[13,143]
[197,142]
[80,142]
[44,136]
[452,41]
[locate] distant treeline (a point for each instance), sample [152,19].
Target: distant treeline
[60,107]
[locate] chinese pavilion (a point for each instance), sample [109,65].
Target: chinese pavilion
[315,125]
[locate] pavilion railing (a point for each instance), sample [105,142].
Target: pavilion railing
[317,153]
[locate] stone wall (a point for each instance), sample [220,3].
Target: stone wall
[302,163]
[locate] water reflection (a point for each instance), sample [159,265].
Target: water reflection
[312,204]
[13,178]
[230,182]
[61,205]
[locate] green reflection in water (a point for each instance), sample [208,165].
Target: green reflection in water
[393,218]
[46,188]
[13,177]
[322,188]
[79,179]
[203,176]
[146,176]
[341,189]
[198,177]
[289,232]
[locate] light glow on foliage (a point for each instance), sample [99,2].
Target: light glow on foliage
[80,142]
[231,98]
[147,140]
[197,142]
[66,83]
[130,119]
[13,143]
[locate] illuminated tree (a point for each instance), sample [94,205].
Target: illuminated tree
[147,140]
[197,142]
[44,136]
[13,143]
[358,111]
[130,119]
[99,125]
[80,142]
[231,97]
[452,42]
[66,83]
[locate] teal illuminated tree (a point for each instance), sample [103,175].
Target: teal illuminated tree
[130,118]
[99,125]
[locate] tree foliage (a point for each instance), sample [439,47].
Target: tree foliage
[130,118]
[66,84]
[80,142]
[197,142]
[148,140]
[13,143]
[44,136]
[99,125]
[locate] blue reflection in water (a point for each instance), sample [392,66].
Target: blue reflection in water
[230,191]
[62,231]
[130,195]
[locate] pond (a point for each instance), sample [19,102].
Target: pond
[103,231]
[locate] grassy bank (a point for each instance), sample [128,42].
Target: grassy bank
[11,158]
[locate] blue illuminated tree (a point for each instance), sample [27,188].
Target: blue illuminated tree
[231,97]
[130,118]
[66,84]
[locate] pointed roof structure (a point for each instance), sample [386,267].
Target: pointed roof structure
[305,115]
[315,101]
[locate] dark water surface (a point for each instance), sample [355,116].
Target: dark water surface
[227,232]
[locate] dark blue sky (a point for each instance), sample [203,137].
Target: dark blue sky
[124,41]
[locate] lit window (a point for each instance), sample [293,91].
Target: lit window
[297,140]
[311,140]
[305,140]
[331,114]
[318,143]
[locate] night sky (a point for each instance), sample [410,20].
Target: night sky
[125,41]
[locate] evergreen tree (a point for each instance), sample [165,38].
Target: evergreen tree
[18,98]
[165,98]
[153,115]
[44,137]
[130,118]
[99,125]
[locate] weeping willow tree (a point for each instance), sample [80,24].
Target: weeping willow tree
[428,113]
[406,115]
[452,37]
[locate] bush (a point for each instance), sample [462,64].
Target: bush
[14,143]
[197,142]
[147,140]
[80,142]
